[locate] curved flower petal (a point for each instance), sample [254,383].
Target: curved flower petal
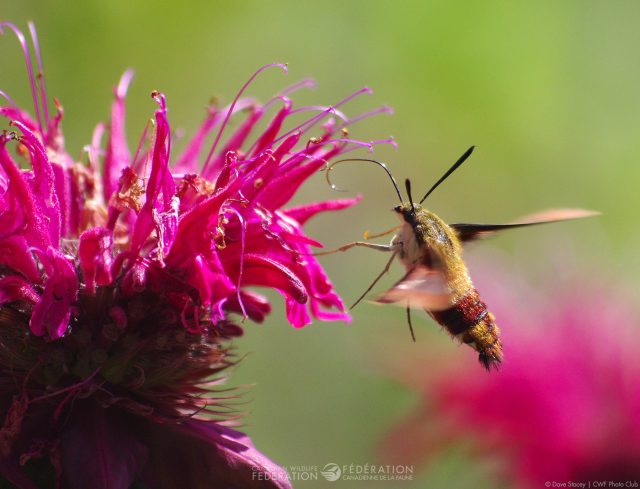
[117,156]
[305,212]
[44,188]
[256,306]
[15,254]
[52,313]
[262,270]
[16,114]
[15,288]
[285,186]
[95,254]
[160,181]
[21,212]
[99,449]
[201,455]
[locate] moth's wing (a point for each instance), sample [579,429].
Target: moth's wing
[469,232]
[422,288]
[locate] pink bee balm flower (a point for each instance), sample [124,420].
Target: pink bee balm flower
[120,287]
[566,405]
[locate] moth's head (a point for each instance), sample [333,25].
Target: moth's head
[408,212]
[411,212]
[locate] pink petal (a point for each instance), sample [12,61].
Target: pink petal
[256,306]
[118,155]
[16,114]
[297,314]
[95,253]
[160,181]
[271,132]
[262,270]
[15,288]
[282,188]
[63,191]
[15,254]
[188,161]
[23,210]
[234,144]
[52,313]
[305,212]
[211,279]
[44,194]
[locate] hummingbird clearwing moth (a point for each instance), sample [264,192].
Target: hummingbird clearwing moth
[437,279]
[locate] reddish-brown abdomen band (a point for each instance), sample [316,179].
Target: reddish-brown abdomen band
[470,322]
[464,314]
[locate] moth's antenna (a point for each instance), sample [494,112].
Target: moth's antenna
[407,185]
[384,167]
[455,166]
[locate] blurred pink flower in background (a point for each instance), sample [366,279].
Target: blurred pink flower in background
[122,279]
[565,406]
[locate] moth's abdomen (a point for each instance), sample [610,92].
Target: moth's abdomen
[470,321]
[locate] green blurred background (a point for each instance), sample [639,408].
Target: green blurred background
[547,90]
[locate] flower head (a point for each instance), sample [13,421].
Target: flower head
[566,405]
[122,278]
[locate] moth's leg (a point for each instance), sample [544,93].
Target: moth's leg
[348,246]
[383,233]
[413,336]
[385,270]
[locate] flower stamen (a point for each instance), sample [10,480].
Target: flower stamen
[32,81]
[40,77]
[282,66]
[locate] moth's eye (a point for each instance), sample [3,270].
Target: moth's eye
[397,208]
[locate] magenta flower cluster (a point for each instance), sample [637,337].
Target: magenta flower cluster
[123,276]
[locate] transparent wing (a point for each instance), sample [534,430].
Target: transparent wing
[469,232]
[421,288]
